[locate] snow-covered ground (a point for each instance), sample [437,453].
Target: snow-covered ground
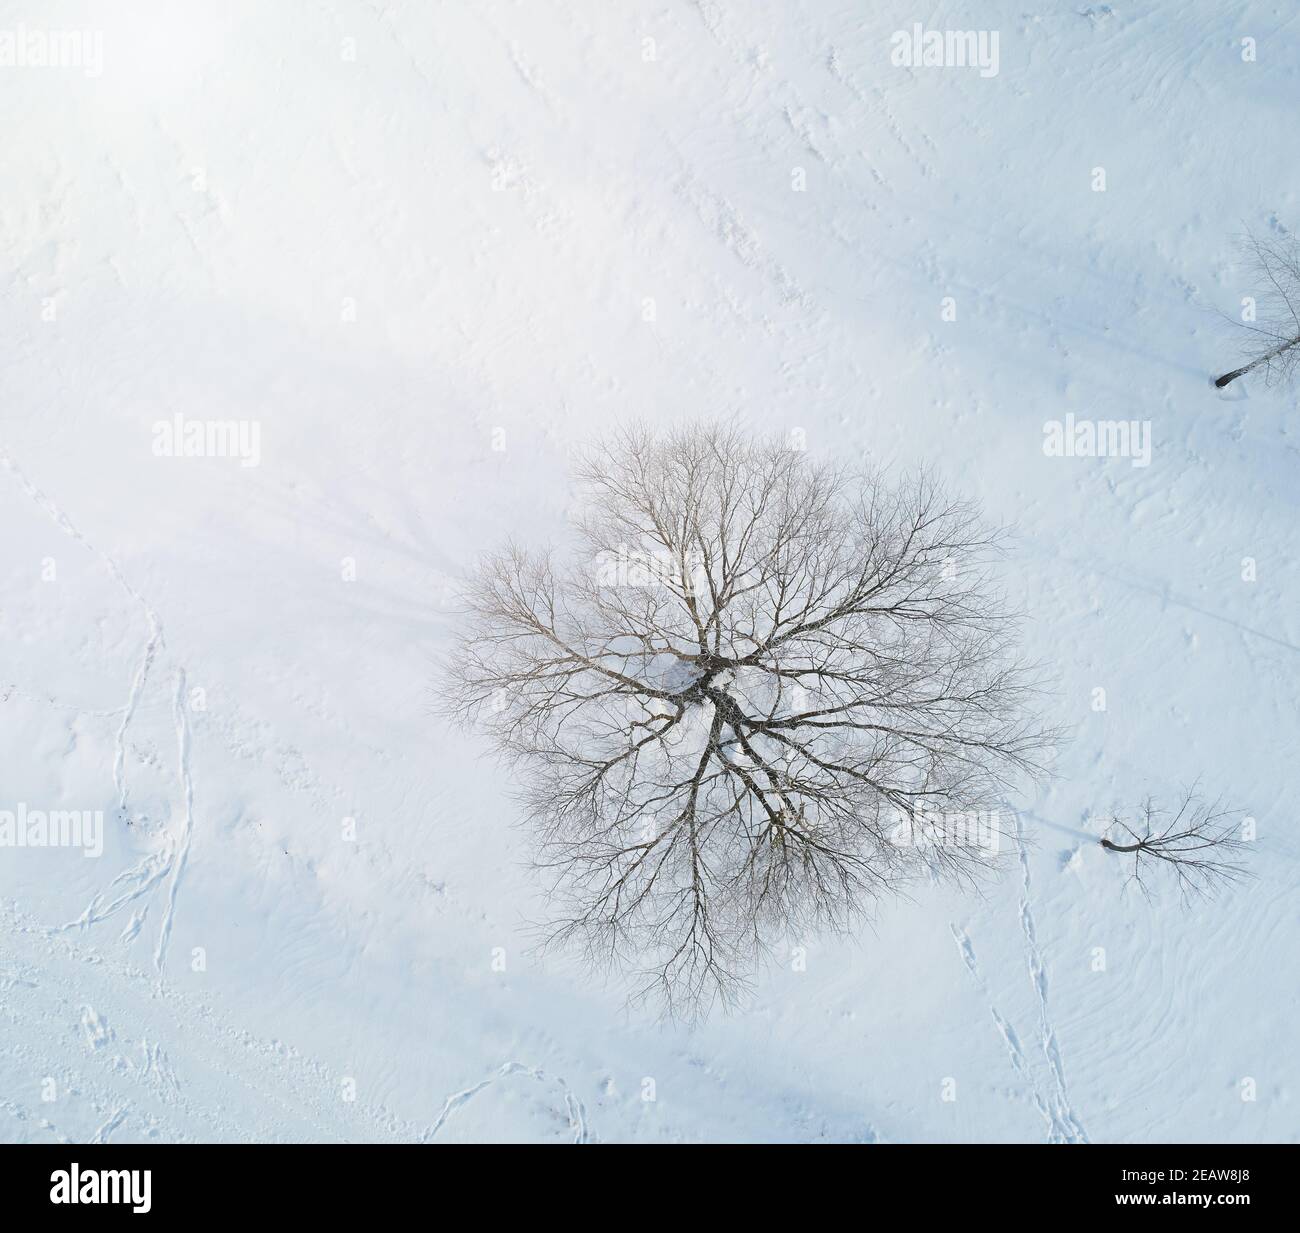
[428,248]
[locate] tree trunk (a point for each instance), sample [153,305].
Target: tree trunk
[1263,359]
[1232,376]
[1119,847]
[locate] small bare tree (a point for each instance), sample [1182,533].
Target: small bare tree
[1195,844]
[1273,331]
[761,692]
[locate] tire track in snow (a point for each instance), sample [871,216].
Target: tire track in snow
[182,851]
[154,622]
[1068,1121]
[113,1122]
[133,700]
[142,877]
[574,1107]
[153,869]
[1008,1033]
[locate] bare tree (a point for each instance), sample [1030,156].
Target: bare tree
[1195,844]
[1273,333]
[760,692]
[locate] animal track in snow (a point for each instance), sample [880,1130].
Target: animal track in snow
[1005,1029]
[95,1029]
[1068,1122]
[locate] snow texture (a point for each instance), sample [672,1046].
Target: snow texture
[427,249]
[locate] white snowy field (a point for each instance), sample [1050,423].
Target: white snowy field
[426,249]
